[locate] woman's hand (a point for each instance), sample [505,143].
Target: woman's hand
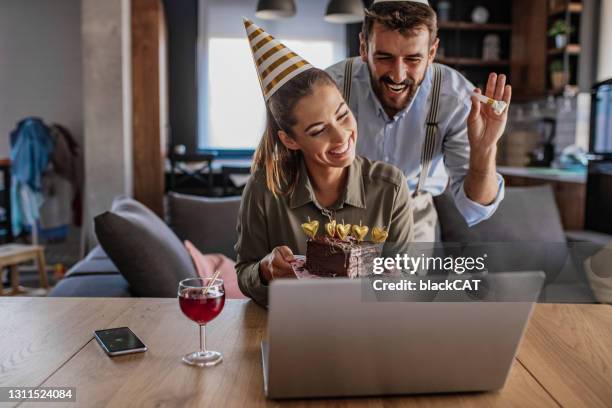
[485,127]
[276,265]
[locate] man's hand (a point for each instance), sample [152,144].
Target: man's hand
[485,128]
[276,265]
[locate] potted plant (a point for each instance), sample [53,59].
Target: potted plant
[560,30]
[558,75]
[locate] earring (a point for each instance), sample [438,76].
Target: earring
[275,154]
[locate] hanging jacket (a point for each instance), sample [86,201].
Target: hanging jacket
[31,147]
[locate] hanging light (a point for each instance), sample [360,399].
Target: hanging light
[344,11]
[275,9]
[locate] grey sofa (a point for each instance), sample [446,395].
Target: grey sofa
[524,234]
[209,223]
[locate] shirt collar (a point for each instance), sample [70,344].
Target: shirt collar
[423,89]
[354,192]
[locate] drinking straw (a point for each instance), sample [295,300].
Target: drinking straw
[212,280]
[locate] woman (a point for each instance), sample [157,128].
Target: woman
[305,168]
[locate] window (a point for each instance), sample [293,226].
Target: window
[231,113]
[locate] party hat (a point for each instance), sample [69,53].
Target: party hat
[276,64]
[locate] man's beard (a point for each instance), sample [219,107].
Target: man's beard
[411,85]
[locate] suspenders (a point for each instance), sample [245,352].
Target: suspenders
[431,135]
[432,129]
[348,80]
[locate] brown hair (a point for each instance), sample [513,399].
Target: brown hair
[403,16]
[280,164]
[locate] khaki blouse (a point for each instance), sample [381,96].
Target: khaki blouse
[376,194]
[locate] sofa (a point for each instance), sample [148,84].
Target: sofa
[208,223]
[524,234]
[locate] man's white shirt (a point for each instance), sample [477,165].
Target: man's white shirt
[399,140]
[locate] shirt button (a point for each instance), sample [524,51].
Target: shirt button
[386,158]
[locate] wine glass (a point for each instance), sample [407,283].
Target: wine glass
[201,300]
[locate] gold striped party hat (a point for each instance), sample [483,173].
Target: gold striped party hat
[276,64]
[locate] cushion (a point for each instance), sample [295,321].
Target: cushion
[206,265]
[146,252]
[525,213]
[524,234]
[599,274]
[96,253]
[208,223]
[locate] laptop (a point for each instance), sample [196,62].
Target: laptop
[326,339]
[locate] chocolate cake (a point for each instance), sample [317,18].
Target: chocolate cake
[331,257]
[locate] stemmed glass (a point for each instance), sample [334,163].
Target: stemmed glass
[201,300]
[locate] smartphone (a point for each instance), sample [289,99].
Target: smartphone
[119,341]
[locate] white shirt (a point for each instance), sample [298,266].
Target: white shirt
[399,140]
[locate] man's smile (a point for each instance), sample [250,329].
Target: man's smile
[396,88]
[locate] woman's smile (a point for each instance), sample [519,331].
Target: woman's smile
[339,152]
[324,129]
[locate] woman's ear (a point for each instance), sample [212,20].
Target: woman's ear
[288,141]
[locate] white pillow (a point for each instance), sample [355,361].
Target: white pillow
[598,270]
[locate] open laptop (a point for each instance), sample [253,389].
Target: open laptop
[327,340]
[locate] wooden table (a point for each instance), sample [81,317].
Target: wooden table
[565,358]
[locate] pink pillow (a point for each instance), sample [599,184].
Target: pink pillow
[206,265]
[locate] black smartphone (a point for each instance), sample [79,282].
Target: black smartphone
[119,341]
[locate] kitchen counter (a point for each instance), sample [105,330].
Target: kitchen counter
[545,173]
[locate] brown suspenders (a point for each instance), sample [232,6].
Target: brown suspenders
[348,80]
[427,152]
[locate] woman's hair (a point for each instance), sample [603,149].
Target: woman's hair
[280,164]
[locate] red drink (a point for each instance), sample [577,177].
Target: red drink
[201,309]
[201,300]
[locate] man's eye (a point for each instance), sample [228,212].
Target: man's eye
[343,116]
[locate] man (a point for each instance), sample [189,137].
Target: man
[413,113]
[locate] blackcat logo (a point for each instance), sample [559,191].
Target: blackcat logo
[412,264]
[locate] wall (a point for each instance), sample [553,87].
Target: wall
[40,64]
[107,105]
[604,70]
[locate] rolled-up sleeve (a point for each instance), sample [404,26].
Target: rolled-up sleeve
[252,245]
[456,149]
[474,212]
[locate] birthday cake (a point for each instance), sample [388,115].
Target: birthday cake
[342,252]
[331,257]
